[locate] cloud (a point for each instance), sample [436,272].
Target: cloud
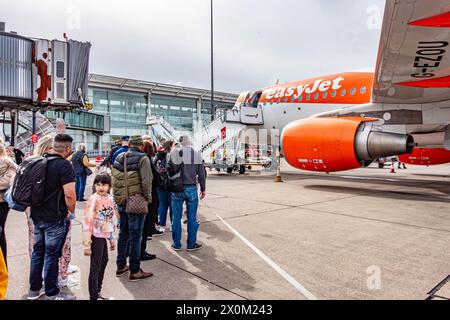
[256,42]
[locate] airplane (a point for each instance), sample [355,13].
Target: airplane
[345,121]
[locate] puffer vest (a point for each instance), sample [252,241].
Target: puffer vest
[134,178]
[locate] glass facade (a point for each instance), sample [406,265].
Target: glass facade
[126,114]
[79,120]
[179,112]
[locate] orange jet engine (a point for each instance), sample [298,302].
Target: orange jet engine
[426,156]
[335,144]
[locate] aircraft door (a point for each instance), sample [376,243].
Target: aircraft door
[251,111]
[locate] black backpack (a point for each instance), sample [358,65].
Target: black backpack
[28,188]
[174,181]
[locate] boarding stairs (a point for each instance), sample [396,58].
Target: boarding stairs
[161,129]
[216,134]
[23,141]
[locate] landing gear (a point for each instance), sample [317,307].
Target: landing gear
[229,170]
[381,165]
[241,169]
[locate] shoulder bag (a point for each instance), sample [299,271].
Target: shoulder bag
[135,204]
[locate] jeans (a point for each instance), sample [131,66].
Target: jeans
[130,237]
[164,205]
[80,185]
[49,241]
[99,260]
[190,195]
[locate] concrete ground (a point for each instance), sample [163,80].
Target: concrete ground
[361,234]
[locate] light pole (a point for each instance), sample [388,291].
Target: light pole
[213,109]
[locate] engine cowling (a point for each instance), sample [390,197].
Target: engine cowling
[426,156]
[335,144]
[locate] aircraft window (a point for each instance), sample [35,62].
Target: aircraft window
[363,90]
[300,98]
[343,92]
[278,100]
[285,99]
[308,97]
[353,91]
[324,95]
[316,96]
[333,93]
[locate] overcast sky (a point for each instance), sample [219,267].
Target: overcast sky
[256,42]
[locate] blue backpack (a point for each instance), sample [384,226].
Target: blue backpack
[7,196]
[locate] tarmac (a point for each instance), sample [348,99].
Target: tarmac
[360,234]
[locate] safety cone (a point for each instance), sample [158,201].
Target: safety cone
[392,168]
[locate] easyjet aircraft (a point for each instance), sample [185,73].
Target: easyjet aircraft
[356,117]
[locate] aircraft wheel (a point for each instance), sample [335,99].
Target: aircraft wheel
[229,170]
[241,169]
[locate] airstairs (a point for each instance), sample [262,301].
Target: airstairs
[161,129]
[23,141]
[216,134]
[220,141]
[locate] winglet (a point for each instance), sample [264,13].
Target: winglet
[442,82]
[439,21]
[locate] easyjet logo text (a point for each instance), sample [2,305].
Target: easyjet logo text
[308,88]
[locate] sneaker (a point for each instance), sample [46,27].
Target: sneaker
[121,272]
[62,296]
[196,246]
[175,248]
[72,269]
[157,232]
[140,275]
[69,283]
[102,297]
[147,256]
[34,295]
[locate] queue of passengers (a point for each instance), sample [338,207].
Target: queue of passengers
[146,183]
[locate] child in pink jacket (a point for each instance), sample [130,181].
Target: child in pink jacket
[99,225]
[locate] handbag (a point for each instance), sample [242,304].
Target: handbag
[88,171]
[135,204]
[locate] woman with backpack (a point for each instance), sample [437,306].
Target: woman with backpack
[160,162]
[7,173]
[81,164]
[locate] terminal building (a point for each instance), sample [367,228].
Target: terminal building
[124,106]
[52,76]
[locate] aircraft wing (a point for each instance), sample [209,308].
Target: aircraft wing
[413,63]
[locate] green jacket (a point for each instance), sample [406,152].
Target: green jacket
[140,176]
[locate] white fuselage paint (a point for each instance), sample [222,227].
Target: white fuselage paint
[277,115]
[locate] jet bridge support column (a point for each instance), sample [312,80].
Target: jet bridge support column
[14,114]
